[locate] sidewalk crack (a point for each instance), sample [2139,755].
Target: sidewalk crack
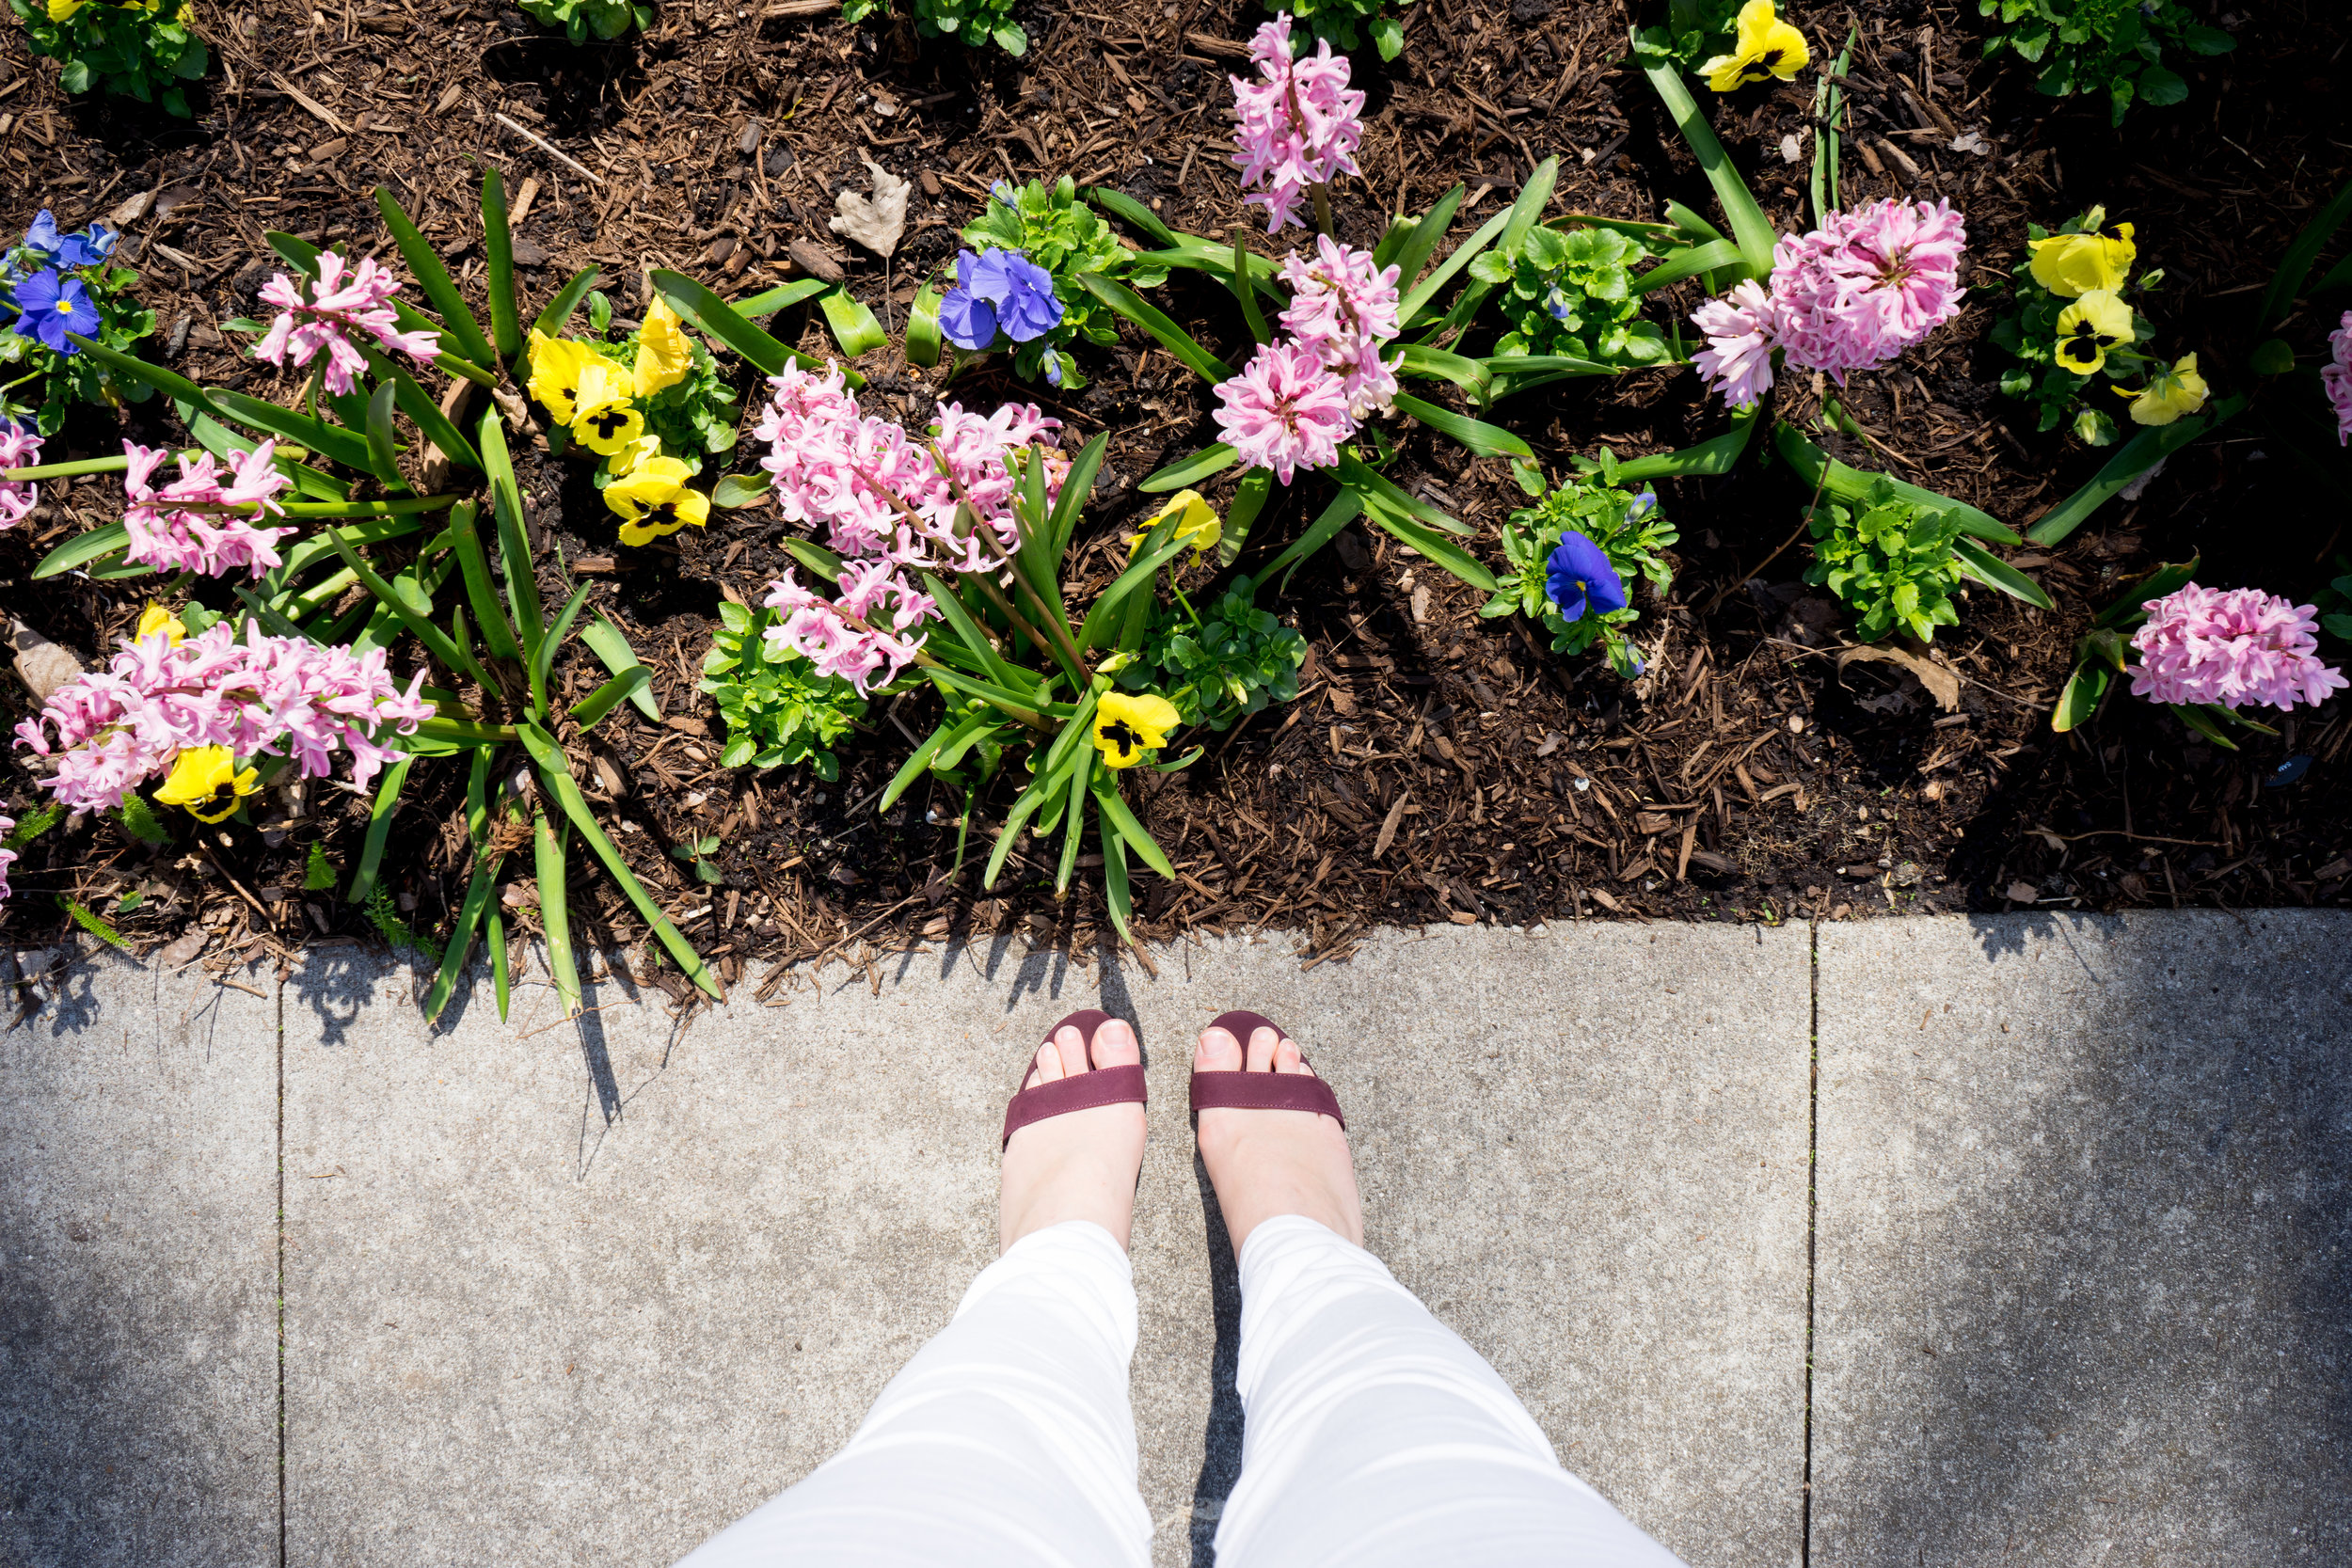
[1812,1220]
[282,1270]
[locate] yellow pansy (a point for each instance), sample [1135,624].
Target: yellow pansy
[663,357]
[156,618]
[1126,727]
[2169,393]
[2089,327]
[204,779]
[2071,265]
[567,376]
[630,458]
[609,428]
[654,501]
[1196,524]
[60,9]
[1764,46]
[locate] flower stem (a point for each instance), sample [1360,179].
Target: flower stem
[1323,207]
[67,471]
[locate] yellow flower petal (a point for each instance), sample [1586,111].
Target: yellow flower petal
[205,782]
[1126,727]
[156,618]
[1197,524]
[60,9]
[653,500]
[663,356]
[557,365]
[1763,47]
[633,456]
[2169,393]
[2096,322]
[2071,265]
[607,428]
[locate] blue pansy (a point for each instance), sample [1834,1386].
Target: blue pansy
[998,291]
[1580,579]
[51,307]
[1644,504]
[87,248]
[44,235]
[967,318]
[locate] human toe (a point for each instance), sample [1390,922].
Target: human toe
[1115,1045]
[1071,1046]
[1263,1044]
[1218,1052]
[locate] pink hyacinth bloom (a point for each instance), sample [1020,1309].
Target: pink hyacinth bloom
[1868,284]
[7,856]
[172,538]
[823,632]
[325,323]
[1286,411]
[2336,376]
[1343,309]
[120,727]
[19,449]
[2240,648]
[1298,125]
[1737,359]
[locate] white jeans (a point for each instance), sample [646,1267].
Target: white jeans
[1373,1436]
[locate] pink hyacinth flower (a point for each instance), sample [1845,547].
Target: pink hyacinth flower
[1298,125]
[1343,309]
[1737,359]
[1286,411]
[19,449]
[325,324]
[2336,376]
[172,538]
[1866,286]
[7,856]
[2240,648]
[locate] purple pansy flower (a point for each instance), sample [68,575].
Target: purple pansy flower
[1580,579]
[51,307]
[997,291]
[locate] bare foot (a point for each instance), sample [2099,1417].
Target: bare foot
[1270,1163]
[1081,1165]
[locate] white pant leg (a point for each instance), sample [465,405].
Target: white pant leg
[1008,1442]
[1375,1438]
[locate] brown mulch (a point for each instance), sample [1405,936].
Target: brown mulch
[1437,767]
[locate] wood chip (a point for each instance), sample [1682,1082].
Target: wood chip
[1388,825]
[312,104]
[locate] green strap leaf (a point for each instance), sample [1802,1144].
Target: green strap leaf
[1100,619]
[1115,896]
[176,387]
[383,454]
[952,610]
[515,560]
[2080,698]
[1715,455]
[1473,376]
[1344,510]
[1415,252]
[543,656]
[344,446]
[436,640]
[1075,820]
[1480,437]
[758,307]
[1417,300]
[1750,227]
[1188,471]
[434,279]
[80,550]
[379,827]
[419,406]
[1818,468]
[611,646]
[1029,800]
[1245,293]
[2134,458]
[1982,566]
[923,342]
[498,250]
[1126,302]
[555,920]
[1116,813]
[1437,547]
[1376,487]
[558,315]
[718,318]
[475,563]
[1521,218]
[590,710]
[853,326]
[2295,265]
[1128,209]
[1076,487]
[1249,498]
[1687,263]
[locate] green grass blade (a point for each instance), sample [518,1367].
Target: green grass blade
[555,773]
[498,250]
[1187,472]
[1126,302]
[434,279]
[558,315]
[611,644]
[379,827]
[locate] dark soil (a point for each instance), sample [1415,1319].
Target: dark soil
[1436,767]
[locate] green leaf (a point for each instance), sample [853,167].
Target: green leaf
[591,709]
[1484,439]
[1750,227]
[466,537]
[543,657]
[2161,86]
[1186,472]
[344,446]
[1131,211]
[1073,823]
[1418,298]
[1435,546]
[2272,356]
[1817,467]
[379,826]
[718,318]
[1686,263]
[555,920]
[2295,265]
[138,819]
[1028,801]
[1977,562]
[1115,812]
[1249,498]
[611,647]
[853,326]
[1076,486]
[558,315]
[1114,890]
[2134,458]
[2125,610]
[383,455]
[1097,631]
[436,640]
[434,279]
[1125,302]
[498,250]
[1715,455]
[419,406]
[177,388]
[1473,376]
[924,343]
[515,561]
[80,550]
[557,775]
[736,491]
[1245,291]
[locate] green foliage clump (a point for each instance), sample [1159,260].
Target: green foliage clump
[974,22]
[65,379]
[1065,236]
[1216,668]
[136,51]
[693,417]
[2030,332]
[1631,531]
[2114,47]
[583,19]
[778,710]
[385,915]
[1337,20]
[1573,294]
[2335,603]
[1889,560]
[1695,30]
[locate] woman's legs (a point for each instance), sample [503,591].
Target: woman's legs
[1008,1442]
[1373,1436]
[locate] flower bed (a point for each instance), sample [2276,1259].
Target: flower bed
[1633,501]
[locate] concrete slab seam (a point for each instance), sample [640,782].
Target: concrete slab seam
[1812,1217]
[281,1266]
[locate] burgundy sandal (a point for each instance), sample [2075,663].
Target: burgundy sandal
[1102,1086]
[1261,1091]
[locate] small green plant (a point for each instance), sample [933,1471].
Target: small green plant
[143,50]
[319,873]
[1696,29]
[693,416]
[583,19]
[1626,531]
[1218,667]
[2114,47]
[1573,294]
[1890,558]
[34,826]
[1052,227]
[1338,20]
[778,710]
[91,921]
[974,22]
[698,852]
[59,284]
[385,915]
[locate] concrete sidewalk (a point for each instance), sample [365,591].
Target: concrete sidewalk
[2074,1280]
